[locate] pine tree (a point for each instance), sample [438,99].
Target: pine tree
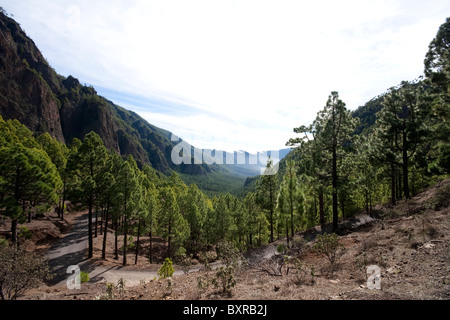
[291,197]
[195,207]
[172,226]
[58,153]
[28,178]
[401,124]
[256,221]
[437,72]
[267,191]
[88,165]
[331,131]
[128,195]
[151,221]
[222,219]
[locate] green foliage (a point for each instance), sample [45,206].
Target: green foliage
[227,252]
[328,244]
[24,232]
[173,227]
[84,277]
[282,248]
[166,269]
[267,191]
[225,279]
[28,179]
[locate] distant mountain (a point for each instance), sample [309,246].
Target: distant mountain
[32,92]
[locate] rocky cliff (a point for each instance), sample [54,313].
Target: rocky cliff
[33,93]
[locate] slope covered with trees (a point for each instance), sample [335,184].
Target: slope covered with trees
[337,169]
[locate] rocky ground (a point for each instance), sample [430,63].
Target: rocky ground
[410,243]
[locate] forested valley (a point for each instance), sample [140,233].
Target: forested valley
[342,164]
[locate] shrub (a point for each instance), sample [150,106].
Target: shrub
[301,272]
[282,248]
[166,269]
[110,290]
[330,246]
[20,271]
[441,198]
[225,279]
[206,258]
[186,263]
[227,252]
[84,277]
[24,232]
[298,242]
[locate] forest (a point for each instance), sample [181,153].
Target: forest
[335,170]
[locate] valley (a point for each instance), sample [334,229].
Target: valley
[355,207]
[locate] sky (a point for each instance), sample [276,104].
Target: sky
[236,74]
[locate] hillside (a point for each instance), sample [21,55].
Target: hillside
[32,92]
[409,242]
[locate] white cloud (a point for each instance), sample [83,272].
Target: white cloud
[251,70]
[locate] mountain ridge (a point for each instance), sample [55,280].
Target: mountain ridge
[32,92]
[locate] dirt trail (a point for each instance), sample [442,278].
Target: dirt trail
[71,250]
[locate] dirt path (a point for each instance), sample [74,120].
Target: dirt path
[71,250]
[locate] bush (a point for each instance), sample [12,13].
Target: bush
[225,279]
[20,271]
[282,248]
[441,198]
[302,272]
[84,277]
[166,269]
[24,232]
[227,252]
[330,246]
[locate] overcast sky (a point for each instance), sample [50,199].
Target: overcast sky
[233,75]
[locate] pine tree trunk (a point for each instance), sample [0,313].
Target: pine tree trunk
[63,203]
[393,198]
[271,214]
[90,242]
[106,232]
[321,211]
[259,234]
[116,240]
[63,200]
[102,216]
[125,243]
[169,240]
[96,220]
[29,212]
[287,232]
[405,172]
[14,230]
[292,218]
[366,200]
[335,198]
[150,249]
[137,241]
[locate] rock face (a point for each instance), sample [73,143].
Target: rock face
[26,82]
[33,93]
